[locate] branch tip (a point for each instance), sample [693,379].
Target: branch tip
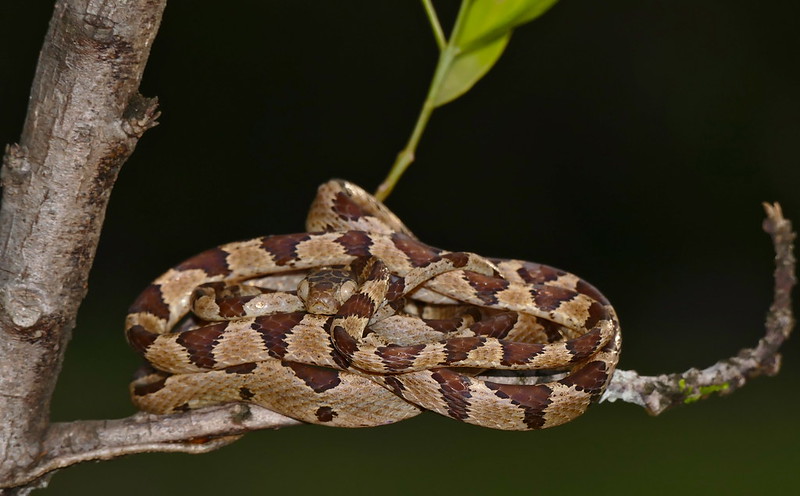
[659,393]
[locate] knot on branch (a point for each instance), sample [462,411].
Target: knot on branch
[16,167]
[99,28]
[140,115]
[23,305]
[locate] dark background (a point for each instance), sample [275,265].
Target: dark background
[630,142]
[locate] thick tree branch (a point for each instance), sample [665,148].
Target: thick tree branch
[84,120]
[659,393]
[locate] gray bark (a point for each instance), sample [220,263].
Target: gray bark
[84,119]
[657,394]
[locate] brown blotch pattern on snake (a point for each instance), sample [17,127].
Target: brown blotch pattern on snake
[283,248]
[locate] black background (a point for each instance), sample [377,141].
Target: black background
[630,142]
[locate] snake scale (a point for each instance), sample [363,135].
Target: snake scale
[506,344]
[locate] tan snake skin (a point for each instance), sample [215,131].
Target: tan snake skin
[419,329]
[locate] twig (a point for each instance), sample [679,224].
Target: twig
[436,26]
[198,431]
[659,393]
[406,156]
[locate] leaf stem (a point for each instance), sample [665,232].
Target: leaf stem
[430,11]
[406,156]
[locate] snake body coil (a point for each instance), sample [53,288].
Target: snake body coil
[415,328]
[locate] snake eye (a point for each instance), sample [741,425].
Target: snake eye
[302,290]
[346,290]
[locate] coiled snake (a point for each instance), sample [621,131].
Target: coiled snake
[356,323]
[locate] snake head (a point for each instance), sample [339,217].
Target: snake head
[324,290]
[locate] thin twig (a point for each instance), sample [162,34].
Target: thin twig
[430,11]
[407,155]
[659,393]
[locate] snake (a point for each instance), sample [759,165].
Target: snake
[357,323]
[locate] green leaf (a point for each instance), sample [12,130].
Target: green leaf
[464,71]
[480,35]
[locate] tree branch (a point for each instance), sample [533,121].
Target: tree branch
[205,430]
[198,431]
[659,393]
[84,120]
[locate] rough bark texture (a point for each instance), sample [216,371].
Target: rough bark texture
[192,432]
[659,393]
[84,119]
